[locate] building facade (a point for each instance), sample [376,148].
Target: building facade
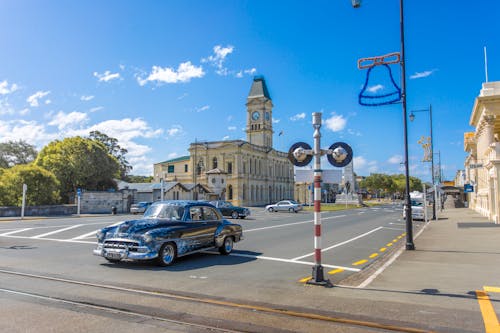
[482,165]
[247,173]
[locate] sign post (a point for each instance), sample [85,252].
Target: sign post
[25,188]
[300,154]
[79,195]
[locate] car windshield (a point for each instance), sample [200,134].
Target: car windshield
[170,212]
[416,203]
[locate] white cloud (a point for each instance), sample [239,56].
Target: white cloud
[225,138]
[68,120]
[298,116]
[275,121]
[106,76]
[29,131]
[336,123]
[250,72]
[231,128]
[6,108]
[182,96]
[363,166]
[375,88]
[5,89]
[419,75]
[353,132]
[174,130]
[86,98]
[203,108]
[33,100]
[396,159]
[184,73]
[218,58]
[95,109]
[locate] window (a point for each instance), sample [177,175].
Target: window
[185,168]
[230,192]
[171,169]
[195,213]
[214,163]
[209,214]
[230,168]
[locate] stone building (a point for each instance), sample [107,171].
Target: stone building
[247,172]
[482,165]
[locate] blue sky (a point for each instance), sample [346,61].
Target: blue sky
[157,75]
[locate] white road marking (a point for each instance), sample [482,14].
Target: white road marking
[339,244]
[57,231]
[51,239]
[290,261]
[15,231]
[92,233]
[289,224]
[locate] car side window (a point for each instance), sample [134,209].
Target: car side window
[195,213]
[209,214]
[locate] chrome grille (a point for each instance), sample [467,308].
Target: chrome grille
[122,245]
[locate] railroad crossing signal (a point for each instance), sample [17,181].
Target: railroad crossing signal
[301,154]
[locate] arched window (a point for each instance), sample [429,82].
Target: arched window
[230,192]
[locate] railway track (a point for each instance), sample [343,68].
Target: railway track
[181,311]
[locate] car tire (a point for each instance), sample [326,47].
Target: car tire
[167,254]
[270,209]
[291,210]
[234,214]
[227,246]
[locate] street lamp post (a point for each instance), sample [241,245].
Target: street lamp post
[412,117]
[409,225]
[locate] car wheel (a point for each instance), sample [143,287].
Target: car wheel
[227,246]
[291,210]
[270,209]
[167,254]
[234,214]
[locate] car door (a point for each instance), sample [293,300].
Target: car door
[211,219]
[195,229]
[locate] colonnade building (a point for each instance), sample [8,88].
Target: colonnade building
[246,173]
[482,165]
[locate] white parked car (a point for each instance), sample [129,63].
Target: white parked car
[286,206]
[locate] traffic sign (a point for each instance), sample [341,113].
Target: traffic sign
[341,154]
[468,188]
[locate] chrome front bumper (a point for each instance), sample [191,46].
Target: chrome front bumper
[139,253]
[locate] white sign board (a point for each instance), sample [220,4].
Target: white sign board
[327,176]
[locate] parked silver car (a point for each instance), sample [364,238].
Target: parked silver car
[291,206]
[139,207]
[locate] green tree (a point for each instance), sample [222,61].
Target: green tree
[79,162]
[43,186]
[115,150]
[138,179]
[16,152]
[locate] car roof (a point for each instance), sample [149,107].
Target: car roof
[184,203]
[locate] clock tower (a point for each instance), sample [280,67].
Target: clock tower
[259,114]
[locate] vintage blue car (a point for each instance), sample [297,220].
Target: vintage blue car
[169,229]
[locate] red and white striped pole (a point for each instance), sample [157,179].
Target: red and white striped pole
[317,272]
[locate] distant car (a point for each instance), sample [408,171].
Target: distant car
[417,210]
[227,209]
[285,205]
[140,207]
[168,230]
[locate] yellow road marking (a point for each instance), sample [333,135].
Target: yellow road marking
[394,240]
[400,236]
[490,319]
[373,255]
[361,262]
[404,234]
[335,271]
[383,249]
[491,289]
[389,244]
[304,280]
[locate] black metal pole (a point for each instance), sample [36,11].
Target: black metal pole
[409,226]
[432,168]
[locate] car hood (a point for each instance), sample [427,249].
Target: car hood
[143,225]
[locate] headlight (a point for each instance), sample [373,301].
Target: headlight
[147,238]
[100,236]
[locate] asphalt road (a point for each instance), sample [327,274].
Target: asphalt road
[50,261]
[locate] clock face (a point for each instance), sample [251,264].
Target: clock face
[267,115]
[255,115]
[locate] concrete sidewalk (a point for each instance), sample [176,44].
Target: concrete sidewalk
[450,283]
